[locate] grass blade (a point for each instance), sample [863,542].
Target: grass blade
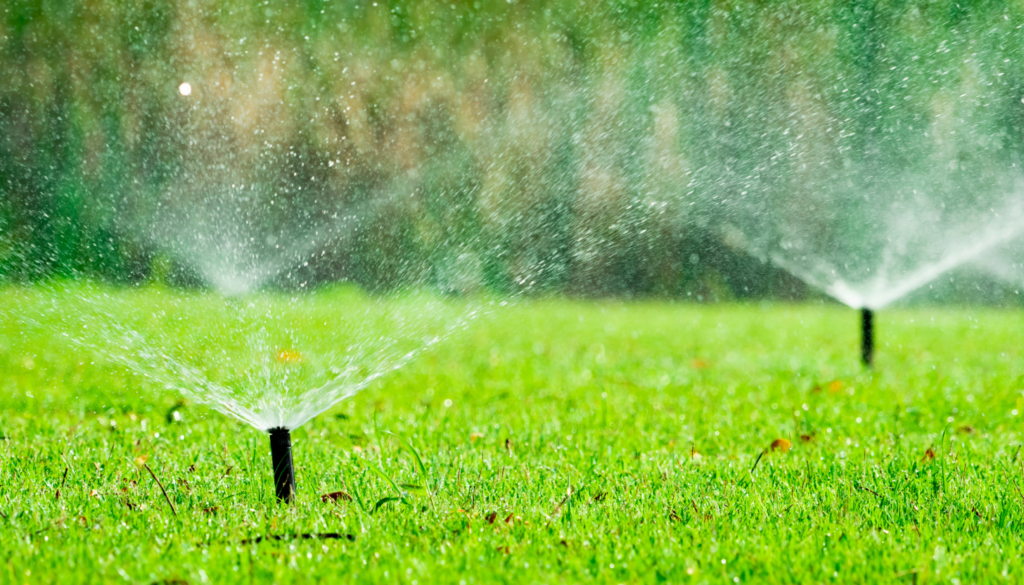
[385,477]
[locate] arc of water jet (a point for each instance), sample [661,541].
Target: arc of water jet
[879,293]
[236,278]
[328,390]
[270,403]
[838,289]
[930,272]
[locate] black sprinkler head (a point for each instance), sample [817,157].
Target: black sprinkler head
[284,472]
[867,340]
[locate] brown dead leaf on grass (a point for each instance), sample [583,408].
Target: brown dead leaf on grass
[929,456]
[335,496]
[966,430]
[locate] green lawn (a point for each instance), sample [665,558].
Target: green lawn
[560,441]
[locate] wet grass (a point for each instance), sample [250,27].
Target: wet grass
[554,440]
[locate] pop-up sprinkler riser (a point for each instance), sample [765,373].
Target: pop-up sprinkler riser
[867,340]
[284,471]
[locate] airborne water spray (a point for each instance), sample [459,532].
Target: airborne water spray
[267,360]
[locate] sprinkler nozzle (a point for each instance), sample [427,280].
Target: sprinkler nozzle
[867,342]
[284,472]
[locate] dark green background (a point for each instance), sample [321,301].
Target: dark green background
[592,148]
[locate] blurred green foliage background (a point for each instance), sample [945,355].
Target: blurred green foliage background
[571,146]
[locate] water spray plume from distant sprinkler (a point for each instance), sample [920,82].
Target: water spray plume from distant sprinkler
[867,340]
[284,470]
[916,250]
